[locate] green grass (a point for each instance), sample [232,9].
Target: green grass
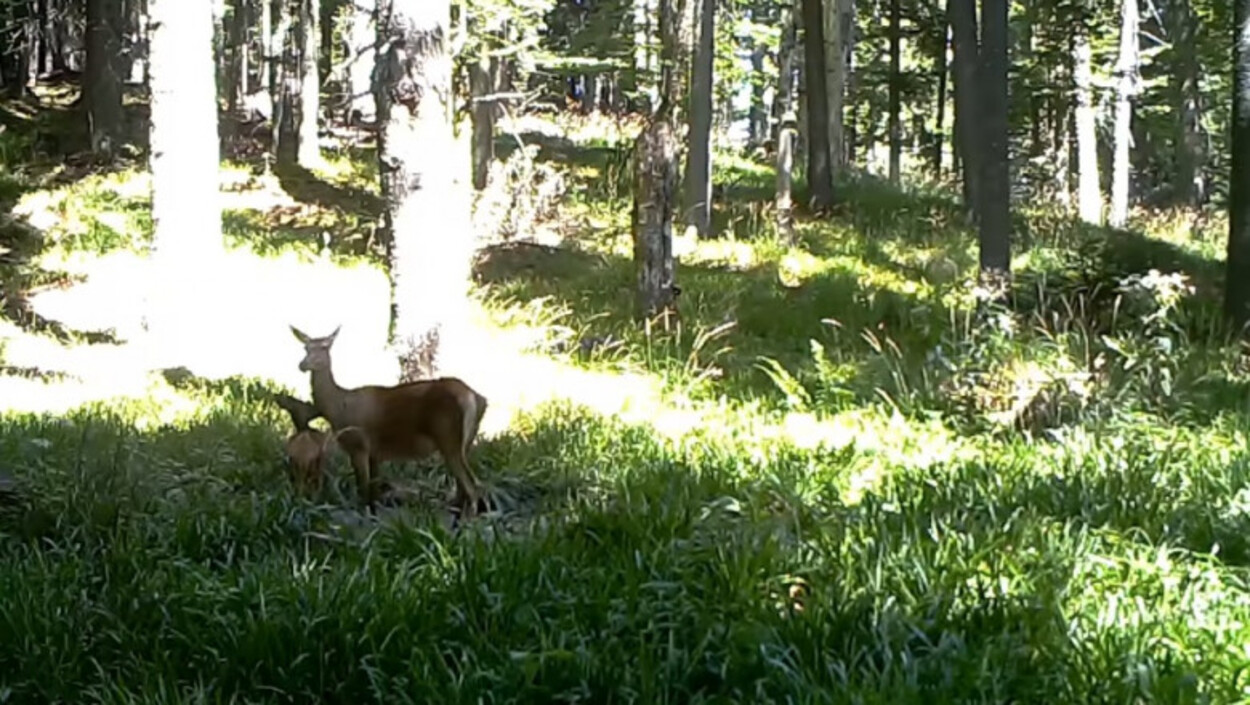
[881,496]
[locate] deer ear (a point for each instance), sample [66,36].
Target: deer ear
[335,334]
[301,337]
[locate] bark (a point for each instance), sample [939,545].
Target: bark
[939,131]
[995,225]
[895,128]
[1191,153]
[1088,190]
[676,35]
[819,173]
[286,75]
[103,80]
[963,20]
[421,176]
[309,109]
[1127,88]
[483,145]
[1237,279]
[757,124]
[699,154]
[786,137]
[362,40]
[237,88]
[655,195]
[783,100]
[839,26]
[269,60]
[186,212]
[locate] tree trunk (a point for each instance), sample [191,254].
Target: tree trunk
[269,60]
[1237,279]
[1088,190]
[102,80]
[783,99]
[995,226]
[676,36]
[757,123]
[895,127]
[362,39]
[237,88]
[699,154]
[839,26]
[939,130]
[481,86]
[1191,157]
[655,195]
[186,211]
[1126,90]
[968,131]
[421,173]
[309,82]
[819,173]
[786,137]
[286,120]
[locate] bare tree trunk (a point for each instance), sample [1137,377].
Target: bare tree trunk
[422,171]
[1191,153]
[483,145]
[757,123]
[838,24]
[968,131]
[1237,279]
[237,88]
[783,99]
[186,212]
[995,168]
[363,37]
[309,82]
[286,120]
[1088,190]
[895,127]
[103,80]
[819,173]
[939,131]
[1127,80]
[786,137]
[699,154]
[655,196]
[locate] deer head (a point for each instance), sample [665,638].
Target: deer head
[316,350]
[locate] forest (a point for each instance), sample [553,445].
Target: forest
[511,351]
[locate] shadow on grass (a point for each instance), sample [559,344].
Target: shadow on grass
[306,187]
[769,318]
[175,556]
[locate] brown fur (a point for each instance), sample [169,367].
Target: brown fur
[306,448]
[406,421]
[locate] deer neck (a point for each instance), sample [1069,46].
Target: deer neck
[328,396]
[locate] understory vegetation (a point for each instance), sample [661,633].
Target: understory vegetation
[858,484]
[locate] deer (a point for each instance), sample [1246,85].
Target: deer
[407,421]
[306,447]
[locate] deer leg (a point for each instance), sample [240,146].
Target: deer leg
[467,492]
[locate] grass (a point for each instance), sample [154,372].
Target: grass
[837,482]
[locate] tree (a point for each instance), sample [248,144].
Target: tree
[1191,186]
[963,19]
[421,172]
[655,177]
[1127,88]
[186,212]
[362,36]
[839,26]
[1237,280]
[309,82]
[699,156]
[1088,191]
[896,130]
[102,82]
[819,171]
[995,172]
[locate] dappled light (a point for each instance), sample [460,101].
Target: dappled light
[845,464]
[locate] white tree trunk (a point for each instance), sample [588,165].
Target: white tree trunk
[1089,192]
[839,18]
[1126,89]
[186,211]
[424,174]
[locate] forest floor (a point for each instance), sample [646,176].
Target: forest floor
[833,483]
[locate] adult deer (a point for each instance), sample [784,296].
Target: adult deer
[402,422]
